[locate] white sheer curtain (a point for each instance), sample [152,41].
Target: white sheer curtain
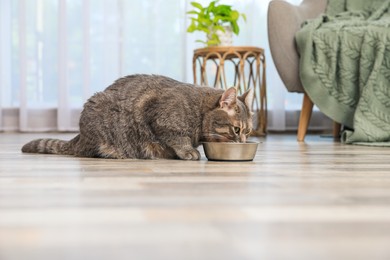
[54,54]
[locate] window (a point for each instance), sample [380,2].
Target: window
[54,54]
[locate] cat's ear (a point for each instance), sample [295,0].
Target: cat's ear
[229,98]
[247,98]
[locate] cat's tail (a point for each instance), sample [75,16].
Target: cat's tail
[48,146]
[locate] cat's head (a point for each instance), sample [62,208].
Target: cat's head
[231,120]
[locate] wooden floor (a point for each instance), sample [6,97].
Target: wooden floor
[314,200]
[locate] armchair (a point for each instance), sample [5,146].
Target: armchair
[284,20]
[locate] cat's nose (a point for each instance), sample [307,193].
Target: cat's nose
[242,138]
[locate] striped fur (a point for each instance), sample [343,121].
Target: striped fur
[48,146]
[154,117]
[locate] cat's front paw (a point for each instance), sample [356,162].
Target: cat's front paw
[189,154]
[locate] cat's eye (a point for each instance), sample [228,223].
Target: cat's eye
[236,130]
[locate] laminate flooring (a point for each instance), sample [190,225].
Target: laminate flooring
[315,200]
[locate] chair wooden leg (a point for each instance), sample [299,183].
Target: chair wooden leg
[336,130]
[304,119]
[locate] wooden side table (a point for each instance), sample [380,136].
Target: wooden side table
[249,71]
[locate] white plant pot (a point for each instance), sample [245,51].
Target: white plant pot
[226,37]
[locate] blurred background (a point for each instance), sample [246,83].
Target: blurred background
[54,54]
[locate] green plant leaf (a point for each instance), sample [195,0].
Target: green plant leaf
[197,5]
[213,42]
[192,12]
[235,15]
[211,6]
[235,28]
[219,27]
[192,27]
[243,17]
[214,36]
[223,10]
[204,21]
[204,29]
[218,19]
[204,42]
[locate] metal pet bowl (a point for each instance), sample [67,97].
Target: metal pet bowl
[216,151]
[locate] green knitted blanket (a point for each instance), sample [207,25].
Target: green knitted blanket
[345,67]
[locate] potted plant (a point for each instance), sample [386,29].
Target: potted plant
[216,20]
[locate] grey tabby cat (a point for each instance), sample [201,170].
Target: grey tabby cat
[152,117]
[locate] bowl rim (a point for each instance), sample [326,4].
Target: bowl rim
[231,143]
